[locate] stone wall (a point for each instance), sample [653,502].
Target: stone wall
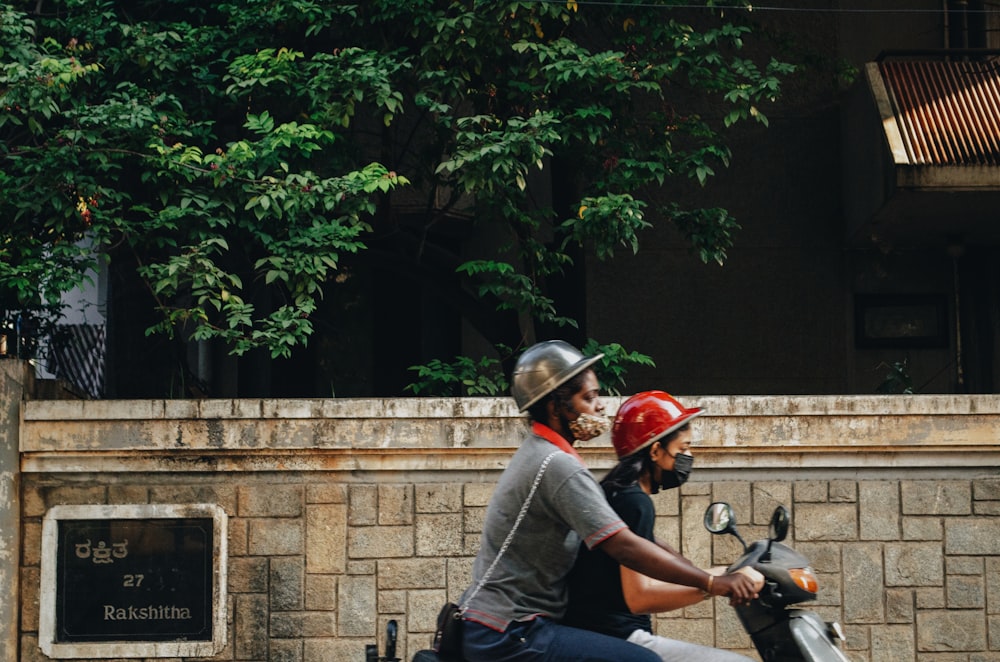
[345,514]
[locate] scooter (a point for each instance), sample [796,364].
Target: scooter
[780,633]
[778,630]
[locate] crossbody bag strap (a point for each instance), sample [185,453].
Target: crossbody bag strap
[513,529]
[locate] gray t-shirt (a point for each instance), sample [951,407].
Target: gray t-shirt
[530,578]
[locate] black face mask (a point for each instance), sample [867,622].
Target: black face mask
[682,470]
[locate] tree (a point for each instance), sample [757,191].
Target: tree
[241,154]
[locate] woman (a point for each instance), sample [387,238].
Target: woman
[519,592]
[652,438]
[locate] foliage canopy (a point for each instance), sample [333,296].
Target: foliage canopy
[238,153]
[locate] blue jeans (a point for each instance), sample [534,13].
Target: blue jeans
[542,640]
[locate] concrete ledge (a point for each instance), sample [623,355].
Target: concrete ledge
[490,422]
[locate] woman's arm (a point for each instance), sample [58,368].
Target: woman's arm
[645,595]
[643,556]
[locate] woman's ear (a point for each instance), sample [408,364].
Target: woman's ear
[655,449]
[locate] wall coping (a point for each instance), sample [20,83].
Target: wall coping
[715,405]
[737,434]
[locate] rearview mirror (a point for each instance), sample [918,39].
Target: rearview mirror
[779,524]
[719,518]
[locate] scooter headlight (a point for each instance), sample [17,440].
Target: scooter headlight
[804,579]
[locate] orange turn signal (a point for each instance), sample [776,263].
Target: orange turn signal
[805,579]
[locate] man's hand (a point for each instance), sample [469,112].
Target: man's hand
[738,586]
[755,577]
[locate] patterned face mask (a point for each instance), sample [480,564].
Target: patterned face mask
[587,426]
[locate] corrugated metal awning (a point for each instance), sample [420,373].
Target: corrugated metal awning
[941,112]
[927,170]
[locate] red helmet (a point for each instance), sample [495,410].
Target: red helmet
[646,417]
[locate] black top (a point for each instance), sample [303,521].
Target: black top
[596,601]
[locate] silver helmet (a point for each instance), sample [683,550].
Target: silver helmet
[545,366]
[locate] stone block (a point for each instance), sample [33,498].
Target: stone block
[326,538]
[331,650]
[439,535]
[297,624]
[899,605]
[32,500]
[31,543]
[737,494]
[380,542]
[356,607]
[929,598]
[767,495]
[326,492]
[810,491]
[238,534]
[936,497]
[858,641]
[270,500]
[701,609]
[729,631]
[822,557]
[473,520]
[668,502]
[392,602]
[363,505]
[986,489]
[965,592]
[395,504]
[692,539]
[963,565]
[972,536]
[893,642]
[361,567]
[438,498]
[459,576]
[470,543]
[416,573]
[223,495]
[287,583]
[830,590]
[30,585]
[878,510]
[986,508]
[697,631]
[843,491]
[128,494]
[422,607]
[320,592]
[275,537]
[923,528]
[668,529]
[247,574]
[950,631]
[826,521]
[251,620]
[992,575]
[725,550]
[477,494]
[913,564]
[693,487]
[993,632]
[285,650]
[72,495]
[863,601]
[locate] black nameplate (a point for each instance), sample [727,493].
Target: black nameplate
[134,580]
